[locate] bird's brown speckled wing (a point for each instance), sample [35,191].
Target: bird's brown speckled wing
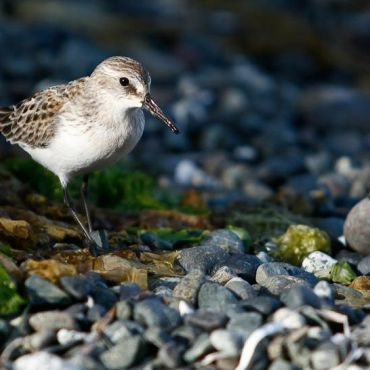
[33,121]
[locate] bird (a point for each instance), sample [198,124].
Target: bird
[85,125]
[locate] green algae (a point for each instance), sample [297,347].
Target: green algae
[298,241]
[342,273]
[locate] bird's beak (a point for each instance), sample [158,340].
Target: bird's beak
[153,109]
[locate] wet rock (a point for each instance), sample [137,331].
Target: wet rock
[203,258]
[152,312]
[42,293]
[124,354]
[215,297]
[206,320]
[362,284]
[240,288]
[225,239]
[244,265]
[43,360]
[189,285]
[357,227]
[52,320]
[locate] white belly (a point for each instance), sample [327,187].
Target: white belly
[75,151]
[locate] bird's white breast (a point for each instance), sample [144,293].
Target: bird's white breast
[81,146]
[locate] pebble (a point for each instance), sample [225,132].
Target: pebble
[42,360]
[263,304]
[188,287]
[226,341]
[152,312]
[128,291]
[124,354]
[244,265]
[203,258]
[276,285]
[42,339]
[206,320]
[157,336]
[77,286]
[268,270]
[120,330]
[225,239]
[223,275]
[298,296]
[364,266]
[68,337]
[357,227]
[170,354]
[42,293]
[215,297]
[325,357]
[241,288]
[123,310]
[281,364]
[104,297]
[325,291]
[52,320]
[319,263]
[245,323]
[200,347]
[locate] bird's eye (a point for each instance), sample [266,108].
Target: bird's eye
[124,81]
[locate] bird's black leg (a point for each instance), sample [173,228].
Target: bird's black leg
[84,186]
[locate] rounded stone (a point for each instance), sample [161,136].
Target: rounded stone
[357,227]
[241,288]
[225,239]
[300,296]
[188,287]
[52,320]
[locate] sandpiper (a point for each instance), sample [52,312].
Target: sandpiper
[84,125]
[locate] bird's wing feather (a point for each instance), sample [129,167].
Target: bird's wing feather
[33,121]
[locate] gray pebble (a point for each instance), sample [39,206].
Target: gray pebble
[223,275]
[123,310]
[188,287]
[227,341]
[241,288]
[200,347]
[203,258]
[298,296]
[325,357]
[120,330]
[124,354]
[279,283]
[243,265]
[170,355]
[42,293]
[79,287]
[206,320]
[215,297]
[52,320]
[152,312]
[245,323]
[268,270]
[263,304]
[225,239]
[364,266]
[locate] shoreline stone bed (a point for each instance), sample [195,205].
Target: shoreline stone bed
[230,310]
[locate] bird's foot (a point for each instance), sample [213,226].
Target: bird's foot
[98,242]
